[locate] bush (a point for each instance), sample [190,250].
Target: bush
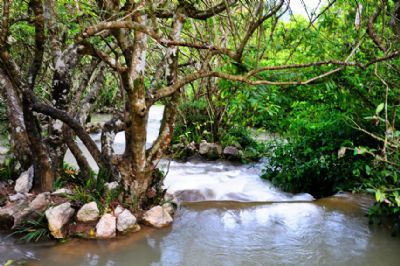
[193,123]
[308,161]
[33,229]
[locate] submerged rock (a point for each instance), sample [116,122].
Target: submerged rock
[24,182]
[57,217]
[126,221]
[106,227]
[88,213]
[157,217]
[41,202]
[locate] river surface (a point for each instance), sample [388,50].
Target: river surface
[229,216]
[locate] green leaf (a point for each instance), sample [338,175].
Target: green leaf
[397,198]
[356,172]
[367,170]
[379,108]
[9,262]
[360,150]
[379,196]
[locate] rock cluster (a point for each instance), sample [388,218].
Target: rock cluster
[65,219]
[211,151]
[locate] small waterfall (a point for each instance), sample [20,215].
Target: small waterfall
[223,181]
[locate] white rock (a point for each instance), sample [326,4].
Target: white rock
[41,202]
[157,217]
[62,192]
[17,196]
[204,147]
[88,213]
[24,182]
[111,185]
[126,221]
[3,150]
[106,227]
[118,210]
[57,217]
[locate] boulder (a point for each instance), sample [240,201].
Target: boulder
[17,197]
[126,221]
[41,202]
[215,151]
[13,214]
[210,150]
[24,182]
[157,217]
[62,192]
[106,227]
[118,210]
[192,146]
[88,213]
[204,147]
[57,217]
[231,152]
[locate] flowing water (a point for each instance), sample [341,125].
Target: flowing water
[229,216]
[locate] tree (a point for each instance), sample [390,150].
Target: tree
[154,48]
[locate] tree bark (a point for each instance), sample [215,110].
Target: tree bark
[19,137]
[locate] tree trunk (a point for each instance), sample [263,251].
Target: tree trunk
[19,137]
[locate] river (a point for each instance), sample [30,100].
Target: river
[229,216]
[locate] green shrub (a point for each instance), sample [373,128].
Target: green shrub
[33,229]
[7,170]
[193,123]
[239,137]
[308,161]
